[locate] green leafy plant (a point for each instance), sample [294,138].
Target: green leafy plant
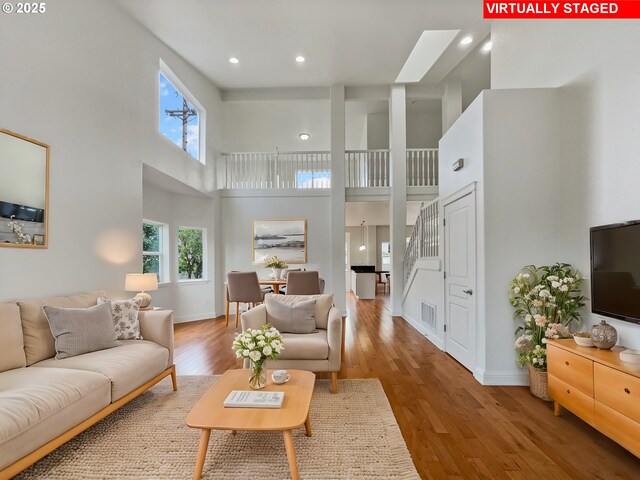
[547,300]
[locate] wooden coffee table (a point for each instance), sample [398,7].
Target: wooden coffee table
[209,413]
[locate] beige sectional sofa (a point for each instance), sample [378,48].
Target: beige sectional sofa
[44,402]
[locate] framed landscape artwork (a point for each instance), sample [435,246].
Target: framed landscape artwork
[286,239]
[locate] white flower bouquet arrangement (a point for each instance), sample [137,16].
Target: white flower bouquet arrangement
[546,301]
[274,262]
[257,345]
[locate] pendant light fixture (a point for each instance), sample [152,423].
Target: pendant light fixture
[362,245]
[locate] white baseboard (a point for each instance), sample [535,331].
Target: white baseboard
[414,324]
[502,378]
[424,331]
[195,317]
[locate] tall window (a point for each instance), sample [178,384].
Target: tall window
[153,245]
[191,253]
[180,114]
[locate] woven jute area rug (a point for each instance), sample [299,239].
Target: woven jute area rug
[355,436]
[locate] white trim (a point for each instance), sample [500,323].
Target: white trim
[463,192]
[501,377]
[193,281]
[429,335]
[424,263]
[165,70]
[164,253]
[195,317]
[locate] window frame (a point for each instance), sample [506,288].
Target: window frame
[202,112]
[205,270]
[163,252]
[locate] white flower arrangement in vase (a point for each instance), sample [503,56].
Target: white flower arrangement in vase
[546,301]
[257,345]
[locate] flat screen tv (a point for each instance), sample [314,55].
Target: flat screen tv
[615,270]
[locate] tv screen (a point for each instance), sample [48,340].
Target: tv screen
[615,271]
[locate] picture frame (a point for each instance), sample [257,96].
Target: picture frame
[285,238]
[38,239]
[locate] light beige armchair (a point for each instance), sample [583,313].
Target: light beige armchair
[316,352]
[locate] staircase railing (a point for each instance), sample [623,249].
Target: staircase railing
[424,238]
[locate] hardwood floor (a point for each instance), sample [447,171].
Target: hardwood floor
[454,427]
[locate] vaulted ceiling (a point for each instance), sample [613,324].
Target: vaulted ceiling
[352,42]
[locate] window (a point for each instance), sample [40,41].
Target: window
[309,179]
[386,255]
[191,253]
[153,246]
[181,116]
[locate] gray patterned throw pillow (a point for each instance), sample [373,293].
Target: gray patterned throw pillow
[125,318]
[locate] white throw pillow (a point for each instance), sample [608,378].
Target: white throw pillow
[125,318]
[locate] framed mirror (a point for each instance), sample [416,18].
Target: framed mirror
[24,191]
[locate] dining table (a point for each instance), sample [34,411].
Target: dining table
[274,283]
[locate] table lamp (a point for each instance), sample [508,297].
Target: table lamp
[141,282]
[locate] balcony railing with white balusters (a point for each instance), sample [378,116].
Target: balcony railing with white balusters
[277,170]
[302,170]
[422,167]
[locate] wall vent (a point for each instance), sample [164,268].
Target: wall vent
[428,315]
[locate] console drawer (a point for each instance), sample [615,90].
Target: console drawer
[618,427]
[618,390]
[571,398]
[573,369]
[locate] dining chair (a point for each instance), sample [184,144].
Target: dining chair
[242,287]
[380,281]
[283,288]
[387,282]
[303,283]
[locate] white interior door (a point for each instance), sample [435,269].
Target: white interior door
[460,279]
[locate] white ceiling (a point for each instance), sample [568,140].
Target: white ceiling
[355,42]
[376,213]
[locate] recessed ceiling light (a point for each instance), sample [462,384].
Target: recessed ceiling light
[466,40]
[487,47]
[234,60]
[304,136]
[300,59]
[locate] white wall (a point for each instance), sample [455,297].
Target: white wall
[83,79]
[595,65]
[515,165]
[425,285]
[424,130]
[263,125]
[190,300]
[239,212]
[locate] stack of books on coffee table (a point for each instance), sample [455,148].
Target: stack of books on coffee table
[254,399]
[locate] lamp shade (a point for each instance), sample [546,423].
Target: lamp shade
[141,282]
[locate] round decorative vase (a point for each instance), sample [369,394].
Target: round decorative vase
[604,336]
[538,384]
[257,375]
[276,272]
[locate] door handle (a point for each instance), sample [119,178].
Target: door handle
[468,292]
